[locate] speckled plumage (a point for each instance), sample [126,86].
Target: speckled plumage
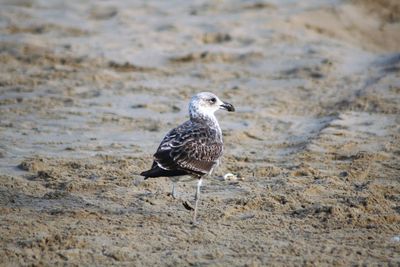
[194,147]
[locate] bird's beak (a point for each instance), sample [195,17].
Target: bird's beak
[227,106]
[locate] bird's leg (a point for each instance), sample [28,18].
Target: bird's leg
[173,179]
[196,198]
[173,193]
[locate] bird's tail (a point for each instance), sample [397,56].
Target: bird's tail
[145,174]
[150,173]
[156,171]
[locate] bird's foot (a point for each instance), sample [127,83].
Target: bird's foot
[195,223]
[173,195]
[187,205]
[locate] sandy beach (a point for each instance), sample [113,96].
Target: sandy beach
[89,88]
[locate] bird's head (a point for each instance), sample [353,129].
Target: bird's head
[206,104]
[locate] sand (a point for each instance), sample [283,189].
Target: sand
[89,88]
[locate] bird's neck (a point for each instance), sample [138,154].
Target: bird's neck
[208,119]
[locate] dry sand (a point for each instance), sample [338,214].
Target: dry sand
[89,88]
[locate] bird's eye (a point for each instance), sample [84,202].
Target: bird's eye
[213,100]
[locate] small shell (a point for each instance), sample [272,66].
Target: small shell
[396,238]
[230,177]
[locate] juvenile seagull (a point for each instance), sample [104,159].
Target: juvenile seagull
[194,147]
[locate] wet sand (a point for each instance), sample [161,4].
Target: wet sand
[87,91]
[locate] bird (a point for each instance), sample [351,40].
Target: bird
[193,148]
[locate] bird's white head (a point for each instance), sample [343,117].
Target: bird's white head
[204,104]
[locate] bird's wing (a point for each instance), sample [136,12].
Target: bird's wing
[192,147]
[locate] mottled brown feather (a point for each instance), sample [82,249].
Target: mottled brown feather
[194,147]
